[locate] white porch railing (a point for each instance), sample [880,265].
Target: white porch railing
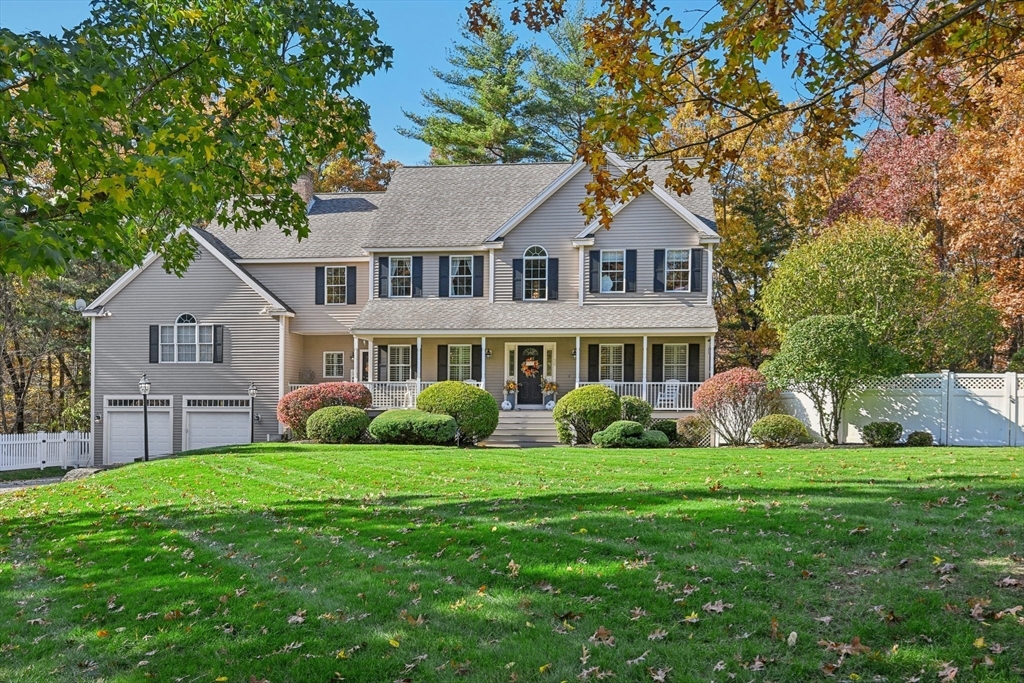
[44,449]
[390,394]
[671,395]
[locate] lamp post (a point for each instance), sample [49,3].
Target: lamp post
[144,387]
[252,412]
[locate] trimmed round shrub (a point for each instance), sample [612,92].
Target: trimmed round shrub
[778,431]
[666,427]
[295,407]
[406,426]
[733,401]
[693,431]
[636,409]
[882,434]
[920,439]
[475,410]
[629,434]
[337,424]
[585,411]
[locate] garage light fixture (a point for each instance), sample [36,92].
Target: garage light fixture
[252,411]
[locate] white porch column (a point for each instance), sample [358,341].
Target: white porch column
[373,362]
[355,359]
[577,362]
[711,363]
[643,375]
[419,363]
[483,361]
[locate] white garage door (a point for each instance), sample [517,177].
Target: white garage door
[125,437]
[215,428]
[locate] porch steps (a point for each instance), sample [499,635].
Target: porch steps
[524,428]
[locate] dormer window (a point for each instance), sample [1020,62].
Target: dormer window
[535,273]
[186,341]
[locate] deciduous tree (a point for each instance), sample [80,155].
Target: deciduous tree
[365,172]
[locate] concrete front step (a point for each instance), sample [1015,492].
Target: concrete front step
[524,428]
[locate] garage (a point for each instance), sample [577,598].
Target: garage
[212,421]
[123,433]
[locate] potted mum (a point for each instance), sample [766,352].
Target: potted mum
[510,387]
[550,388]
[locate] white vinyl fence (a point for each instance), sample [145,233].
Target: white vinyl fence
[45,449]
[958,409]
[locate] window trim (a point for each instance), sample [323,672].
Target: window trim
[600,277]
[468,365]
[391,348]
[196,345]
[689,270]
[527,280]
[452,276]
[601,365]
[327,286]
[685,365]
[342,375]
[392,278]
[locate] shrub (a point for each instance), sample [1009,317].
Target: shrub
[629,434]
[693,431]
[404,426]
[666,427]
[636,409]
[882,434]
[733,401]
[295,407]
[475,410]
[778,430]
[920,439]
[337,424]
[585,411]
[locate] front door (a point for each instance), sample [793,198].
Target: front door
[531,375]
[364,365]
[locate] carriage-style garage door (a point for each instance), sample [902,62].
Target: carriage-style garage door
[211,421]
[123,433]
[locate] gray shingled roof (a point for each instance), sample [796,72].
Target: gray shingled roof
[479,315]
[338,225]
[222,248]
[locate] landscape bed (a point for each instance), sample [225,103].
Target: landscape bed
[289,562]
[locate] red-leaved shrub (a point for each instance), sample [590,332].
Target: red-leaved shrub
[733,401]
[295,407]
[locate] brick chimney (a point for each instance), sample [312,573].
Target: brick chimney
[304,186]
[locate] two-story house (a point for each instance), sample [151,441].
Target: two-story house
[486,274]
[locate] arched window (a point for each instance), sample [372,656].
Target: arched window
[535,273]
[186,341]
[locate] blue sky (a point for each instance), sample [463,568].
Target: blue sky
[420,31]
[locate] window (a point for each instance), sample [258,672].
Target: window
[400,276]
[460,362]
[186,341]
[677,270]
[611,362]
[461,275]
[674,361]
[535,275]
[613,271]
[399,363]
[334,364]
[335,285]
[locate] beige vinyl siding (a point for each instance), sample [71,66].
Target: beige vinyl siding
[431,271]
[645,225]
[293,355]
[295,284]
[214,295]
[314,346]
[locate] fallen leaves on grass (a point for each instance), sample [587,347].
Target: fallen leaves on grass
[948,672]
[657,634]
[298,618]
[602,636]
[854,647]
[716,607]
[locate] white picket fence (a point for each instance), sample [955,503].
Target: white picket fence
[958,409]
[45,449]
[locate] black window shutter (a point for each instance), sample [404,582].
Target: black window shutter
[477,362]
[382,363]
[593,362]
[478,276]
[553,279]
[659,272]
[218,343]
[382,275]
[517,279]
[696,270]
[631,270]
[414,356]
[351,280]
[154,343]
[595,271]
[321,285]
[442,362]
[417,276]
[693,363]
[658,362]
[443,276]
[628,362]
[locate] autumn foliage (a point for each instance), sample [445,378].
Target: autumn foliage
[295,407]
[733,400]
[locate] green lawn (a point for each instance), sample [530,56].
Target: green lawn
[301,563]
[35,473]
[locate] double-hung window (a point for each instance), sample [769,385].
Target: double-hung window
[399,363]
[335,284]
[186,341]
[613,271]
[674,361]
[611,362]
[460,362]
[677,270]
[461,274]
[334,364]
[400,277]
